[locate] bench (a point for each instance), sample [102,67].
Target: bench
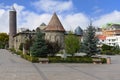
[43,60]
[97,61]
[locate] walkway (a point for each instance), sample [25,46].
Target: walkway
[12,67]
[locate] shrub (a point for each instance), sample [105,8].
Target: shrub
[108,52]
[55,59]
[21,46]
[71,60]
[19,52]
[12,50]
[34,59]
[104,60]
[75,59]
[30,58]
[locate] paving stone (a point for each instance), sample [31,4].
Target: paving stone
[12,67]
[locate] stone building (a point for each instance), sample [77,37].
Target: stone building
[21,37]
[54,32]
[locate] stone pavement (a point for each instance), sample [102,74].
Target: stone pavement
[12,67]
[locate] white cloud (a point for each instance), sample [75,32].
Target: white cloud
[71,21]
[3,20]
[32,20]
[96,10]
[3,6]
[113,17]
[53,5]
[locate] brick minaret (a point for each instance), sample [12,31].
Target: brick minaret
[12,26]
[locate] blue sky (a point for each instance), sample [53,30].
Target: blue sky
[91,6]
[72,13]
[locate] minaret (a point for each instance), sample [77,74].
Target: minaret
[12,26]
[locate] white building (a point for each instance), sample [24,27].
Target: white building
[113,40]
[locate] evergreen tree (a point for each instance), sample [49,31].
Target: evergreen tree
[39,47]
[89,45]
[53,47]
[21,46]
[72,43]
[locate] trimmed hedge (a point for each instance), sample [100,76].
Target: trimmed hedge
[58,59]
[30,58]
[104,60]
[25,56]
[75,59]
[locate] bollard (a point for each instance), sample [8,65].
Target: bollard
[108,60]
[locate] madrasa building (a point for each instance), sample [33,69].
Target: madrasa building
[53,32]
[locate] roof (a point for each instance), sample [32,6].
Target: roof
[24,32]
[55,24]
[43,24]
[110,25]
[117,26]
[101,37]
[78,31]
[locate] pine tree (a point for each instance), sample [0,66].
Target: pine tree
[39,47]
[89,44]
[53,47]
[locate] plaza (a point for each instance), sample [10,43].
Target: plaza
[13,67]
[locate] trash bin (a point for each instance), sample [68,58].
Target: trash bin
[108,60]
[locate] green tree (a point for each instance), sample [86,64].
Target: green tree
[110,50]
[53,47]
[72,43]
[28,43]
[117,49]
[106,47]
[39,47]
[21,46]
[3,40]
[89,44]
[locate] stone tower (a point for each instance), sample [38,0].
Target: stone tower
[12,26]
[55,31]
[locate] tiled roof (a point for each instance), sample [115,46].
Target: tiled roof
[101,37]
[55,24]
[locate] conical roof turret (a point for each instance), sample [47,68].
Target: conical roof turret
[79,31]
[55,24]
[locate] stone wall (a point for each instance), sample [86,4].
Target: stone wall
[18,40]
[55,36]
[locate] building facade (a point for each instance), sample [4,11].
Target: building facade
[54,32]
[110,35]
[111,30]
[113,41]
